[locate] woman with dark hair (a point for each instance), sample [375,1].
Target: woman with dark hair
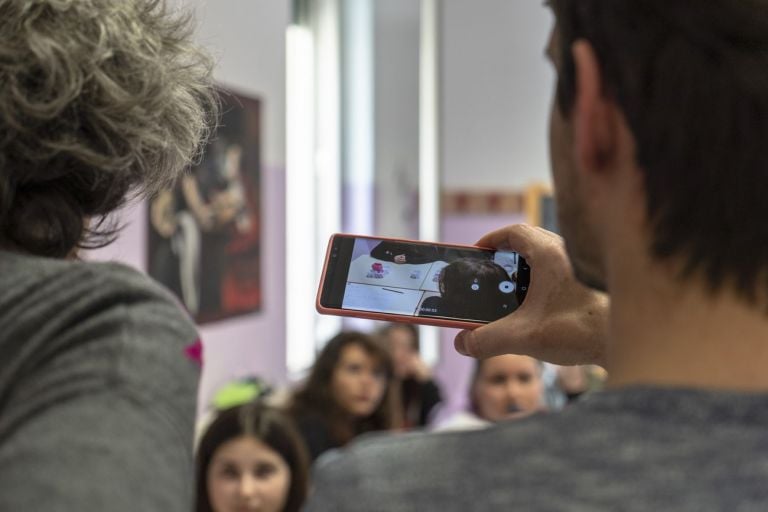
[251,458]
[472,289]
[349,392]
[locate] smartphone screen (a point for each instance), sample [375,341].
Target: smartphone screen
[370,277]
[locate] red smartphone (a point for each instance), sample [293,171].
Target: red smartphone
[420,282]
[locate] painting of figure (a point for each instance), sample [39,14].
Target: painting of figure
[204,234]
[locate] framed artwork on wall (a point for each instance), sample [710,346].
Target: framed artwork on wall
[204,234]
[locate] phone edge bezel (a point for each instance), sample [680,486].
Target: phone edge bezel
[392,317]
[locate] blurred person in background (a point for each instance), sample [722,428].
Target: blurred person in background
[419,392]
[349,392]
[251,458]
[100,101]
[564,385]
[502,388]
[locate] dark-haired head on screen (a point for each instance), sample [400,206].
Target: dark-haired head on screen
[471,289]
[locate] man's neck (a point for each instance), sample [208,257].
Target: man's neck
[666,332]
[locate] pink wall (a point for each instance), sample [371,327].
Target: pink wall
[453,370]
[246,345]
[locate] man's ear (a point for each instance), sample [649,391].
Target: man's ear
[593,114]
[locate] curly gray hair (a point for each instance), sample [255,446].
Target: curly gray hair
[99,100]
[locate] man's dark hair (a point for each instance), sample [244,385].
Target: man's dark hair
[98,100]
[692,80]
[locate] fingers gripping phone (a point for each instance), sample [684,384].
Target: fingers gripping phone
[420,282]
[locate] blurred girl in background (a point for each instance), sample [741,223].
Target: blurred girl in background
[348,392]
[251,458]
[502,388]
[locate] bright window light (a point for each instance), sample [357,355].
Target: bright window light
[300,200]
[313,175]
[429,149]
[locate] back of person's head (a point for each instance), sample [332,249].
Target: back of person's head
[692,81]
[470,287]
[319,393]
[98,99]
[218,473]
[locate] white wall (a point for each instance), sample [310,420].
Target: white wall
[496,93]
[396,75]
[248,39]
[496,90]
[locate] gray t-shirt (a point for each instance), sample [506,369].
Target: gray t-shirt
[97,400]
[636,449]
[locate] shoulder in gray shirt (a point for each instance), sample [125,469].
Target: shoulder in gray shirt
[637,449]
[97,400]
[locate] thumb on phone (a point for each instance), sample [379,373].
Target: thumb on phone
[490,340]
[560,320]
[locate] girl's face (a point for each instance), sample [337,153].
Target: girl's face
[246,475]
[508,386]
[359,381]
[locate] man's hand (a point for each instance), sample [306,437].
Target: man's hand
[560,320]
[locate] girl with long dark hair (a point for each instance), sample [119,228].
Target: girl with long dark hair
[251,458]
[348,392]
